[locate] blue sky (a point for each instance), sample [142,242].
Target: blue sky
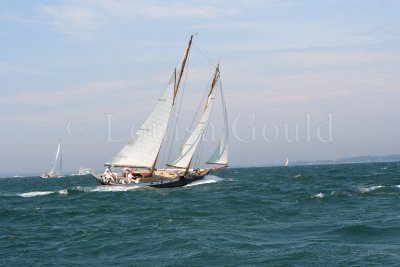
[64,65]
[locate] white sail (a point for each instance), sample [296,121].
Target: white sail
[287,162]
[189,147]
[142,150]
[57,167]
[220,155]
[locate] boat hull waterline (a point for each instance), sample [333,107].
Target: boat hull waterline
[161,183]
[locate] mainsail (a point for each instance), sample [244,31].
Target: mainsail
[220,155]
[57,167]
[142,150]
[189,147]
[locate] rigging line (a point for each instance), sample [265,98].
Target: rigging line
[201,103]
[205,57]
[196,116]
[168,141]
[179,108]
[165,142]
[204,134]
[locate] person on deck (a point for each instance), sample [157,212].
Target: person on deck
[130,177]
[108,174]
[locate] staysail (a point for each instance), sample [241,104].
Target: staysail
[189,147]
[57,167]
[220,155]
[142,150]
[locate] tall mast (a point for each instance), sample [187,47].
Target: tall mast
[220,155]
[213,83]
[182,69]
[188,149]
[143,150]
[176,87]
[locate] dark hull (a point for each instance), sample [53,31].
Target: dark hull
[181,181]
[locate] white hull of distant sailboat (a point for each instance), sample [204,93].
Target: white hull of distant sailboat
[139,156]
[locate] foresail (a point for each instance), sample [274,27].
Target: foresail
[220,155]
[142,150]
[189,147]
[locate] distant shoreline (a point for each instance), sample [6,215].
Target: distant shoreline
[352,160]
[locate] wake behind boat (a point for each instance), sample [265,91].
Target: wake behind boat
[55,172]
[138,158]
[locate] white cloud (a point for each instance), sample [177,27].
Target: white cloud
[86,92]
[280,79]
[84,18]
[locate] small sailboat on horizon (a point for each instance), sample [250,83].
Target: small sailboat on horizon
[56,171]
[287,162]
[138,158]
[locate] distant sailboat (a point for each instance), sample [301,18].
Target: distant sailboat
[287,162]
[56,171]
[85,171]
[139,156]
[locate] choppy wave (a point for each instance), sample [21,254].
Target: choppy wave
[340,194]
[116,188]
[301,221]
[63,192]
[207,180]
[43,193]
[106,188]
[364,229]
[319,195]
[363,189]
[36,193]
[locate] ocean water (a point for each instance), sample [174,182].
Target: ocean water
[331,215]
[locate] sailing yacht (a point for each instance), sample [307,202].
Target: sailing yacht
[55,172]
[287,162]
[138,158]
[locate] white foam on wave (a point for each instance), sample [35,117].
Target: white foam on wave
[297,176]
[208,179]
[370,188]
[319,195]
[36,193]
[398,186]
[43,193]
[106,188]
[63,192]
